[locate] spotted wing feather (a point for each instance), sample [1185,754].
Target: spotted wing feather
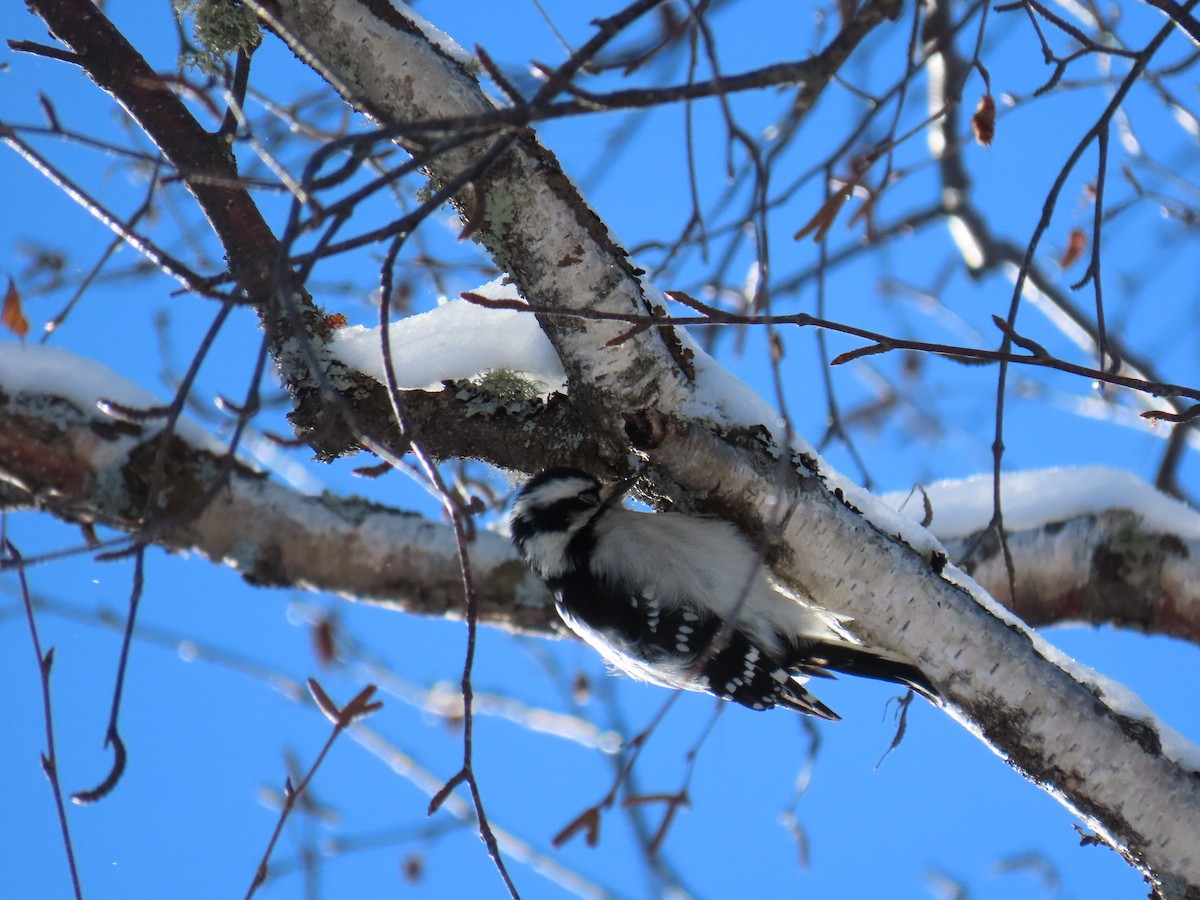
[674,646]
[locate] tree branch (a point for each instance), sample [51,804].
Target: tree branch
[1180,15]
[1102,569]
[1049,723]
[84,467]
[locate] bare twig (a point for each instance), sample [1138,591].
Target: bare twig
[50,757]
[112,737]
[358,708]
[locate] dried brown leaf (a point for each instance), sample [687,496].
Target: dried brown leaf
[413,868]
[1076,244]
[12,316]
[983,123]
[818,226]
[325,641]
[776,344]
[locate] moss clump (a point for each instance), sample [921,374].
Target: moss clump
[222,27]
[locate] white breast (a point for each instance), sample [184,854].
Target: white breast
[685,559]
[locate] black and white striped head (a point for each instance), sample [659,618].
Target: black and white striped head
[550,511]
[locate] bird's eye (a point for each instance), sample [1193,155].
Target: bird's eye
[591,497]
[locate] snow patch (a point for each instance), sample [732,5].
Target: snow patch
[437,37]
[1036,498]
[456,340]
[719,395]
[39,370]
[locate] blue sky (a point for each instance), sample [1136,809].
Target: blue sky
[207,726]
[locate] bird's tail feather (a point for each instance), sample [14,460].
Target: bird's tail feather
[826,657]
[796,697]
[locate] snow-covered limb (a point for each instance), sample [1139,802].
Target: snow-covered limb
[524,209]
[1104,568]
[1064,731]
[995,674]
[60,453]
[458,340]
[1091,544]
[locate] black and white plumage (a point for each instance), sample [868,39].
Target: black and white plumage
[651,592]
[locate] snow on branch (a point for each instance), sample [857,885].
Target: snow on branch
[1089,544]
[457,340]
[60,452]
[1054,721]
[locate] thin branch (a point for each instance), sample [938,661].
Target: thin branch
[50,757]
[463,533]
[112,736]
[123,230]
[1101,125]
[358,708]
[1180,14]
[881,343]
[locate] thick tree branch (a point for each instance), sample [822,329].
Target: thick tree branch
[524,209]
[1102,569]
[996,676]
[81,466]
[203,159]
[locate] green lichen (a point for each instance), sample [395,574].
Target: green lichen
[221,28]
[507,386]
[501,212]
[499,215]
[345,66]
[426,191]
[293,361]
[501,391]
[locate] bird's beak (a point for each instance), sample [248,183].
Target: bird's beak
[613,493]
